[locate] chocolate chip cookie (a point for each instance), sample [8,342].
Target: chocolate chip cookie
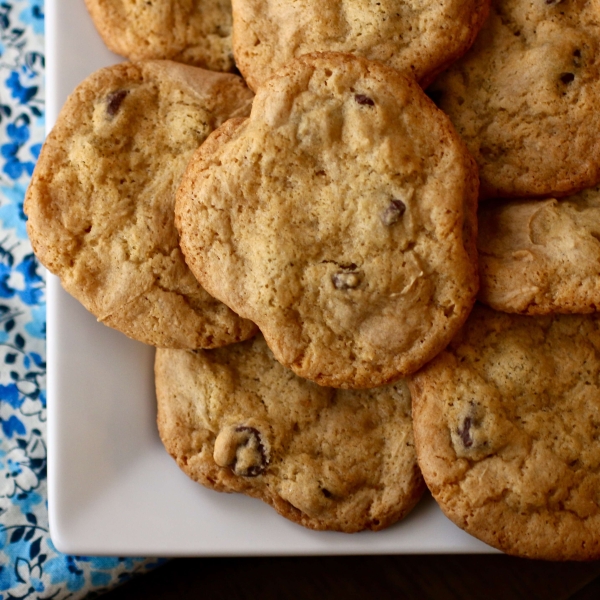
[340,218]
[417,38]
[195,32]
[541,256]
[507,429]
[101,201]
[235,420]
[525,98]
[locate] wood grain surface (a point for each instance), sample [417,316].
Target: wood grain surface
[454,577]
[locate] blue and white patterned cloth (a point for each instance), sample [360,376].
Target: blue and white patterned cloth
[30,566]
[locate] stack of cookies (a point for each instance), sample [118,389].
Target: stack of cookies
[302,249]
[506,418]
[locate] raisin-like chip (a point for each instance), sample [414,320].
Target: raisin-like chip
[393,212]
[465,433]
[567,77]
[114,100]
[241,448]
[345,281]
[252,466]
[364,100]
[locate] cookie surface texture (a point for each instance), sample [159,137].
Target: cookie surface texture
[417,38]
[340,218]
[194,32]
[101,202]
[506,423]
[235,420]
[541,256]
[525,98]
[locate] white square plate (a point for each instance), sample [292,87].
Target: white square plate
[112,487]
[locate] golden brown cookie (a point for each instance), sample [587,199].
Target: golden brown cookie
[340,218]
[541,256]
[507,430]
[101,201]
[235,420]
[195,32]
[418,38]
[525,98]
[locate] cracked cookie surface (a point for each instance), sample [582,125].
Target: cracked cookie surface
[525,98]
[507,430]
[340,218]
[101,202]
[236,420]
[541,256]
[194,32]
[415,37]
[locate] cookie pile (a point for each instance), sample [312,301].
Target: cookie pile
[332,206]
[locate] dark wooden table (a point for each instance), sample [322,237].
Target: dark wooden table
[451,577]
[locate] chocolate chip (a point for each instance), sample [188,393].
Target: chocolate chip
[345,281]
[393,212]
[465,433]
[550,2]
[364,100]
[251,440]
[241,448]
[567,77]
[326,493]
[114,100]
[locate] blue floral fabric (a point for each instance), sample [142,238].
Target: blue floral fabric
[30,566]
